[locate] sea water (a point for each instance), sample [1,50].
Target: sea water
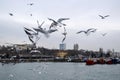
[58,71]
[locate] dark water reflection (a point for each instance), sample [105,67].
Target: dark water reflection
[58,71]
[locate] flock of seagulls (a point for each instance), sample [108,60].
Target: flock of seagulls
[34,32]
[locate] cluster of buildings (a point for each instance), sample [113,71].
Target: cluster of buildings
[26,52]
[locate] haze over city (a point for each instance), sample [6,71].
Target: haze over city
[83,14]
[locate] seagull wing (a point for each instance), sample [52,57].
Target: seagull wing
[30,39]
[101,16]
[63,39]
[51,19]
[53,24]
[107,16]
[104,34]
[89,30]
[64,29]
[39,30]
[61,19]
[52,30]
[28,29]
[10,14]
[28,33]
[94,30]
[41,24]
[42,31]
[80,32]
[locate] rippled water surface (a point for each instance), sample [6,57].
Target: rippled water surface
[58,71]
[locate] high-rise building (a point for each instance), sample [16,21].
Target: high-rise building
[76,46]
[62,46]
[100,50]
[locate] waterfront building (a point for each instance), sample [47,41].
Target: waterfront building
[20,47]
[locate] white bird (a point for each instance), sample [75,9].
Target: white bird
[40,25]
[87,32]
[30,4]
[103,34]
[30,31]
[30,14]
[45,32]
[10,14]
[103,17]
[65,33]
[58,22]
[42,31]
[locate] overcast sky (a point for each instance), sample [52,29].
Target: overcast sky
[83,14]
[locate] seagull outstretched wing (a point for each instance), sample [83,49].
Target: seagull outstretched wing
[61,19]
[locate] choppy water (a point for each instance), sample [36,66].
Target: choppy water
[58,71]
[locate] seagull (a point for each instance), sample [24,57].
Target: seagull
[103,34]
[30,32]
[42,31]
[27,29]
[30,4]
[40,25]
[93,30]
[45,32]
[87,32]
[65,33]
[30,14]
[103,17]
[10,14]
[30,38]
[57,23]
[52,30]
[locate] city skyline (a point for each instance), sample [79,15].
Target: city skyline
[83,14]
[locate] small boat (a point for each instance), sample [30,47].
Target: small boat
[109,61]
[101,61]
[90,62]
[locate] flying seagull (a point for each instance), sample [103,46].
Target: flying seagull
[41,30]
[45,32]
[10,14]
[65,33]
[30,14]
[27,29]
[103,34]
[87,32]
[30,4]
[52,30]
[58,22]
[93,30]
[103,17]
[30,32]
[30,38]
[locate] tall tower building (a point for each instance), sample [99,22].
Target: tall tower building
[62,46]
[76,46]
[101,52]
